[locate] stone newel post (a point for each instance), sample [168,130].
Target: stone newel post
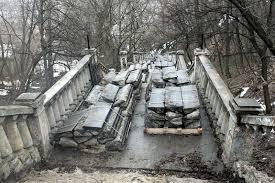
[38,122]
[123,59]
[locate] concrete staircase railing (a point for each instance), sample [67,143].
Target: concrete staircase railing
[25,127]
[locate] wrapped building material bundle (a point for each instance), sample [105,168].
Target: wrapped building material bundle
[157,79]
[118,143]
[173,119]
[123,96]
[134,77]
[111,126]
[154,120]
[182,77]
[145,67]
[94,95]
[192,120]
[170,74]
[121,77]
[109,93]
[131,68]
[108,78]
[148,87]
[138,66]
[130,108]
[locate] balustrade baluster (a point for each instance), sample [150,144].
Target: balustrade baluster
[50,114]
[13,134]
[56,111]
[207,89]
[5,147]
[24,132]
[65,99]
[74,92]
[218,108]
[61,107]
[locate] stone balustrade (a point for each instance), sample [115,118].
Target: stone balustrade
[216,96]
[26,126]
[67,93]
[138,57]
[261,123]
[236,138]
[18,147]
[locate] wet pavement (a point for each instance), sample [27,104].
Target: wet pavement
[143,151]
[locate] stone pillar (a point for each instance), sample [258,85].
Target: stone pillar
[135,57]
[38,123]
[123,59]
[5,148]
[24,131]
[13,134]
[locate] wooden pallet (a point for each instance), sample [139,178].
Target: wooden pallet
[174,131]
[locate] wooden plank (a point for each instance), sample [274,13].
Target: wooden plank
[110,92]
[174,131]
[190,98]
[97,115]
[182,77]
[173,100]
[156,102]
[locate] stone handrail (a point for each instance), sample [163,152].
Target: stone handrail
[216,95]
[18,140]
[65,95]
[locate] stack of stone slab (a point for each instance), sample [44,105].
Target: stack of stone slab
[169,76]
[173,107]
[106,121]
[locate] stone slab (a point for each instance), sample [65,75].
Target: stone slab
[190,97]
[157,99]
[70,123]
[247,102]
[97,115]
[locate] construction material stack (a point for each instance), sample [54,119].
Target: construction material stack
[105,116]
[172,101]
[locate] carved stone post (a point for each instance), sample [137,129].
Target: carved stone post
[38,122]
[123,59]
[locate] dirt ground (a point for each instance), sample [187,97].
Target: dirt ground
[264,154]
[78,176]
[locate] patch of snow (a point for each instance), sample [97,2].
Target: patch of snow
[244,90]
[3,92]
[35,87]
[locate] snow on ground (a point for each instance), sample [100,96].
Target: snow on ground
[244,90]
[4,92]
[107,177]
